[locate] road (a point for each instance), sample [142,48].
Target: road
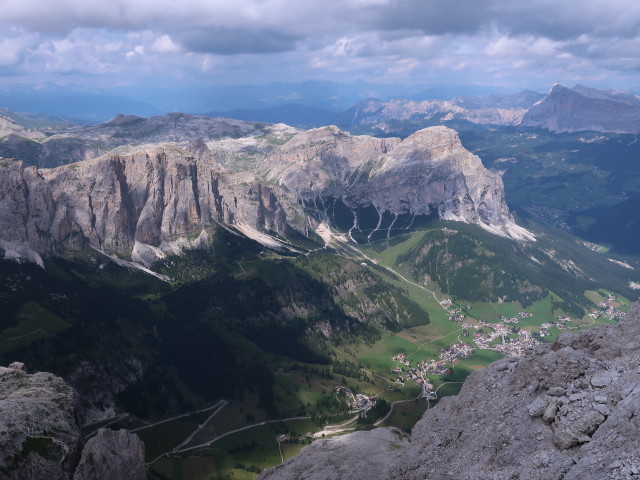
[202,425]
[442,385]
[389,269]
[226,434]
[13,339]
[410,400]
[434,340]
[363,256]
[391,409]
[179,416]
[333,429]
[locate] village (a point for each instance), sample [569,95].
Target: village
[608,310]
[503,337]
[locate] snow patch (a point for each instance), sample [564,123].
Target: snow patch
[534,259]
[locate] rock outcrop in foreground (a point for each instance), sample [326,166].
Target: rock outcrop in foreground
[568,410]
[40,436]
[112,454]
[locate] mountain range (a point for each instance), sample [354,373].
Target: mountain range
[272,183]
[560,110]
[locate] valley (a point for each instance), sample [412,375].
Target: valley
[231,298]
[239,438]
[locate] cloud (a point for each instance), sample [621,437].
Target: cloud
[164,44]
[420,41]
[225,41]
[434,17]
[13,49]
[555,19]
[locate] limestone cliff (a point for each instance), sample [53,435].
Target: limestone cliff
[568,410]
[40,436]
[428,172]
[280,181]
[129,204]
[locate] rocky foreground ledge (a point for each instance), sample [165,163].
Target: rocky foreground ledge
[40,437]
[568,410]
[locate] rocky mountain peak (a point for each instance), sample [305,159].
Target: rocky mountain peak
[121,120]
[431,145]
[557,86]
[8,127]
[144,200]
[583,108]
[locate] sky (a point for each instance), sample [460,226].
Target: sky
[510,44]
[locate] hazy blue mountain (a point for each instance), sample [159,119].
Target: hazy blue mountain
[304,104]
[35,120]
[78,105]
[332,96]
[523,99]
[614,95]
[397,110]
[292,114]
[582,108]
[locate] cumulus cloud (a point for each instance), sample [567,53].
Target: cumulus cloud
[13,49]
[164,44]
[225,41]
[481,41]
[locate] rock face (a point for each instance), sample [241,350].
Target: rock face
[428,172]
[141,203]
[128,204]
[111,454]
[40,436]
[379,115]
[583,108]
[358,456]
[568,410]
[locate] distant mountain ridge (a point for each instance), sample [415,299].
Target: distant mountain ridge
[584,108]
[77,105]
[561,110]
[522,99]
[294,114]
[376,113]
